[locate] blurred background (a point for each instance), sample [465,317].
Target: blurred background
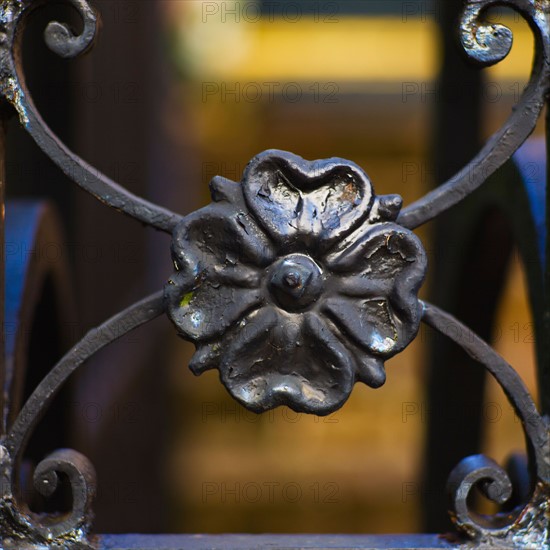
[178,91]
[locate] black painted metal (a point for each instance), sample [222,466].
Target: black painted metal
[487,44]
[294,283]
[544,352]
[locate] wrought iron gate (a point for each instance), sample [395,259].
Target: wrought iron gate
[295,283]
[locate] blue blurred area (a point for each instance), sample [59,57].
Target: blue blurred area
[531,162]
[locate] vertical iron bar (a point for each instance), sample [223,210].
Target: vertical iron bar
[3,408]
[544,354]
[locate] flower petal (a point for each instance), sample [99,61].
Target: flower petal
[334,357]
[382,250]
[206,310]
[220,254]
[220,234]
[271,362]
[312,203]
[385,265]
[369,322]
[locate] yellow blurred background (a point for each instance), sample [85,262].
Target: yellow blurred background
[319,84]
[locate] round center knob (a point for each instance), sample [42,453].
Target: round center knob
[295,282]
[293,279]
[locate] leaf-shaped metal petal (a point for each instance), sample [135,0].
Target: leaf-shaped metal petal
[369,322]
[220,234]
[381,250]
[276,359]
[385,265]
[206,308]
[313,203]
[219,253]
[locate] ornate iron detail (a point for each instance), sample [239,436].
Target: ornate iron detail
[61,39]
[294,284]
[526,525]
[16,520]
[486,44]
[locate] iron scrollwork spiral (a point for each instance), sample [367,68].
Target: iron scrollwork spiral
[486,44]
[294,283]
[527,524]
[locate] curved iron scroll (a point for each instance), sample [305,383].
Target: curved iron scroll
[14,517]
[527,523]
[60,39]
[487,44]
[295,284]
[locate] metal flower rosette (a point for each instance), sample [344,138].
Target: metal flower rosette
[295,283]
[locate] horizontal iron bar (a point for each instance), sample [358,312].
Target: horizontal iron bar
[274,542]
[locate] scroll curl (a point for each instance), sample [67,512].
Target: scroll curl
[61,39]
[486,44]
[528,519]
[14,515]
[81,474]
